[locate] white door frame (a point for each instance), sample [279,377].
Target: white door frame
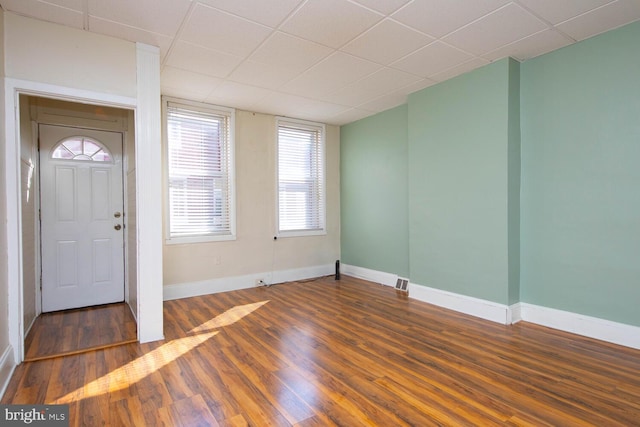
[146,107]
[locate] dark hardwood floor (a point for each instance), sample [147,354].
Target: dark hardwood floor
[347,353]
[75,331]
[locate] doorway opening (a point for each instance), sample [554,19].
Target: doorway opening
[78,223]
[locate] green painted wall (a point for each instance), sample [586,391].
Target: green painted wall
[523,181]
[373,193]
[458,184]
[581,177]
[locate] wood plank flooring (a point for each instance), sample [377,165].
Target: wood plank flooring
[348,353]
[79,330]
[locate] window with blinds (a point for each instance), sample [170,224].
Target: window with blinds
[200,169]
[301,184]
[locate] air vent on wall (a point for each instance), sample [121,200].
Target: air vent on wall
[401,284]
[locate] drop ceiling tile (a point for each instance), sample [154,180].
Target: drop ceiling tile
[291,52]
[262,75]
[530,47]
[300,107]
[432,59]
[460,69]
[269,13]
[504,26]
[331,74]
[556,11]
[221,31]
[603,19]
[440,17]
[238,95]
[69,4]
[187,84]
[133,34]
[387,42]
[187,56]
[380,83]
[158,16]
[330,22]
[68,13]
[417,86]
[349,116]
[383,6]
[385,102]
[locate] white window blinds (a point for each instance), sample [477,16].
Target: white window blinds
[301,188]
[200,169]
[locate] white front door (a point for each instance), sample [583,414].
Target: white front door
[82,231]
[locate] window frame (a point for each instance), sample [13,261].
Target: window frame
[211,109]
[308,125]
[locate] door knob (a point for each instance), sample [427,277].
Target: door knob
[117,227]
[117,214]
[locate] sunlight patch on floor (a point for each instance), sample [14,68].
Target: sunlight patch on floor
[136,370]
[229,317]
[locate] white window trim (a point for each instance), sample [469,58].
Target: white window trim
[199,106]
[312,126]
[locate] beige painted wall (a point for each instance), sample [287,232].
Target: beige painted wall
[82,60]
[254,250]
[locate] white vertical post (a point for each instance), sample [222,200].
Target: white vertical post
[149,193]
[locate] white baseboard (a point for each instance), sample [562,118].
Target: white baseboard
[26,332]
[477,307]
[381,277]
[592,327]
[7,365]
[212,286]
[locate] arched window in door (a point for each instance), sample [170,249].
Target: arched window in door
[81,148]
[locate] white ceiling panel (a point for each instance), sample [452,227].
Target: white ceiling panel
[329,60]
[158,16]
[263,75]
[299,107]
[373,86]
[383,6]
[612,15]
[330,75]
[440,17]
[384,102]
[350,115]
[115,29]
[291,52]
[68,13]
[175,80]
[432,59]
[387,42]
[200,60]
[532,46]
[330,22]
[238,95]
[270,13]
[556,11]
[512,23]
[69,4]
[221,31]
[459,69]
